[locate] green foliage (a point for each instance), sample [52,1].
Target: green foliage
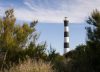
[86,58]
[56,59]
[78,60]
[52,55]
[93,41]
[36,52]
[13,37]
[17,41]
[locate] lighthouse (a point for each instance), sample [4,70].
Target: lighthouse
[66,35]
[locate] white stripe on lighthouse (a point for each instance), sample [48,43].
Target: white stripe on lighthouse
[66,39]
[66,49]
[66,28]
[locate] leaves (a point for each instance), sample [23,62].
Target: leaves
[16,39]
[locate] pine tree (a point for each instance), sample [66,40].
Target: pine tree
[15,38]
[93,40]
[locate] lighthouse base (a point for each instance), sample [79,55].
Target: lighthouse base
[66,50]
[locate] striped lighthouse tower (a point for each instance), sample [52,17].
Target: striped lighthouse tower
[66,36]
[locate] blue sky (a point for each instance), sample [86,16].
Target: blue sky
[50,14]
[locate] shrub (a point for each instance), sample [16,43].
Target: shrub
[32,66]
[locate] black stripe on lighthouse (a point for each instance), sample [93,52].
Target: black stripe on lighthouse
[66,36]
[65,22]
[66,45]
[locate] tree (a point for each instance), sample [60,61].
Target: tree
[77,60]
[13,36]
[93,41]
[86,58]
[18,41]
[36,51]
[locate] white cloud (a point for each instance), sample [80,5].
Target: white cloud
[2,10]
[75,10]
[56,10]
[30,6]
